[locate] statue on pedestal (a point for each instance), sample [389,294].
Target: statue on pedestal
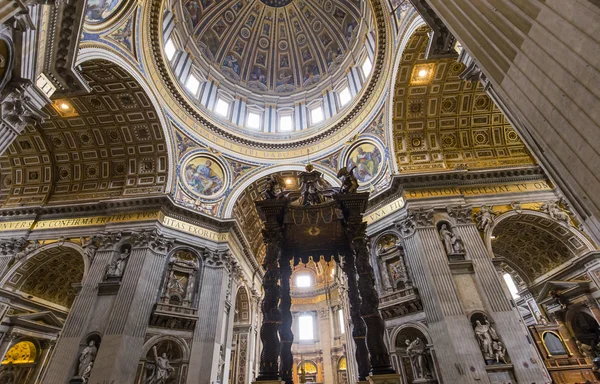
[492,348]
[117,267]
[86,359]
[162,369]
[418,359]
[485,218]
[453,244]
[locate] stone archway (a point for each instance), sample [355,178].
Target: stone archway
[534,245]
[48,274]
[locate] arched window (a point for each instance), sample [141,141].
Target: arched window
[554,344]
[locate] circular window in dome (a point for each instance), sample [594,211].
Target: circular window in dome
[98,11]
[203,176]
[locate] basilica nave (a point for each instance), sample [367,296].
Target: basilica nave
[299,191]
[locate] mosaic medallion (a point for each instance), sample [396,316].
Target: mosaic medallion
[98,11]
[203,176]
[366,159]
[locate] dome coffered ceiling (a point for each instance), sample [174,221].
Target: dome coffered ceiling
[270,46]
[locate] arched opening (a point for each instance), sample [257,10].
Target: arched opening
[414,355]
[165,361]
[533,245]
[342,370]
[584,326]
[48,276]
[307,371]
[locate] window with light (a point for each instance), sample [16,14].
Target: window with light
[170,49]
[285,123]
[253,120]
[341,317]
[305,327]
[222,107]
[303,281]
[192,84]
[316,115]
[366,67]
[512,287]
[345,96]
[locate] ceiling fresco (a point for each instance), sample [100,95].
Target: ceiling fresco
[107,143]
[271,46]
[441,122]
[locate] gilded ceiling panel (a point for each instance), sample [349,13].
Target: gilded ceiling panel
[442,122]
[104,144]
[49,275]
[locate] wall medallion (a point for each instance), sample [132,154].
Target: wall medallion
[367,160]
[203,176]
[98,11]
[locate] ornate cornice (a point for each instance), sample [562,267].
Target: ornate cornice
[453,178]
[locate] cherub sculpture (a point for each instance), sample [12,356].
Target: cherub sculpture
[349,181]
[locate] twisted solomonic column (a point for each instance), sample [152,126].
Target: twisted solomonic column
[359,331]
[285,329]
[269,369]
[379,356]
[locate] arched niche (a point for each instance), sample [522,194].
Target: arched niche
[490,343]
[48,273]
[164,355]
[342,370]
[309,369]
[414,353]
[181,279]
[533,244]
[583,325]
[242,307]
[391,263]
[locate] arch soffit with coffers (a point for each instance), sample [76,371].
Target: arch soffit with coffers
[76,247]
[586,244]
[415,24]
[205,128]
[103,52]
[573,241]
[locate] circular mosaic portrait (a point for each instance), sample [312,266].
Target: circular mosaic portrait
[366,160]
[98,11]
[203,176]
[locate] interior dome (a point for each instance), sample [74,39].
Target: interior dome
[270,55]
[274,46]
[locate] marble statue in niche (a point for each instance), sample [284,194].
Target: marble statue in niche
[178,286]
[117,267]
[392,267]
[418,358]
[492,348]
[86,360]
[453,244]
[161,370]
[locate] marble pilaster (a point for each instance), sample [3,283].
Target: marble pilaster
[125,332]
[208,334]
